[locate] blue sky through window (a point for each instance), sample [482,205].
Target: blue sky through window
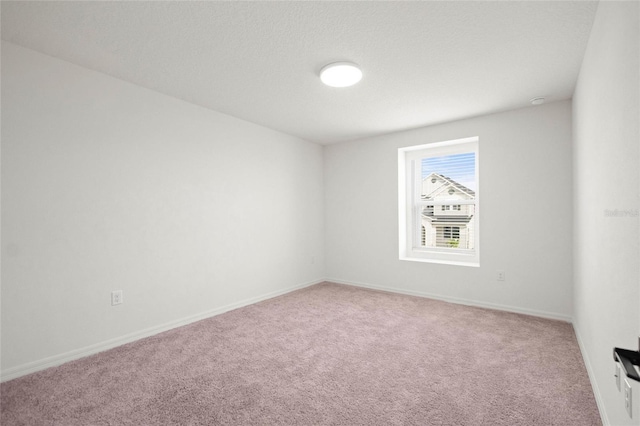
[459,167]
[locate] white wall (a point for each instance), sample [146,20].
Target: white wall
[525,227]
[106,185]
[606,151]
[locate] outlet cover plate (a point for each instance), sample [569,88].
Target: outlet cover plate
[116,297]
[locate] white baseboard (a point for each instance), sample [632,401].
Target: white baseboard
[460,301]
[42,364]
[34,366]
[592,379]
[469,302]
[56,360]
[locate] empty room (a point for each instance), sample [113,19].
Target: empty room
[320,213]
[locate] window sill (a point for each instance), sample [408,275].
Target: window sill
[443,262]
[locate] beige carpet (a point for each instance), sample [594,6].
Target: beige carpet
[327,354]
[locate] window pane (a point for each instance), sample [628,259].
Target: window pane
[448,177]
[449,228]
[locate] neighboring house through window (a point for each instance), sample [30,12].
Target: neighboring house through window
[452,232]
[438,203]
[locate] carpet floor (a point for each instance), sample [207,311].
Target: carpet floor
[324,355]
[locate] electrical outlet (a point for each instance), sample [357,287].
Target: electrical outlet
[500,275]
[617,375]
[116,297]
[627,397]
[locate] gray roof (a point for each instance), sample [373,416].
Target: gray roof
[449,219]
[453,183]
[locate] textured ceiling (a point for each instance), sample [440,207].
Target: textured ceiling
[423,62]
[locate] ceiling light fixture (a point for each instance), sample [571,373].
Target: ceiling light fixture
[537,101]
[340,74]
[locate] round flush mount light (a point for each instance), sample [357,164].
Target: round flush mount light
[537,101]
[340,74]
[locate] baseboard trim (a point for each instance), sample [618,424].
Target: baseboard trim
[592,379]
[35,366]
[459,301]
[39,365]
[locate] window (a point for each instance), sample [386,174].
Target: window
[439,202]
[452,232]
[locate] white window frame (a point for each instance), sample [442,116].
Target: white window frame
[410,204]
